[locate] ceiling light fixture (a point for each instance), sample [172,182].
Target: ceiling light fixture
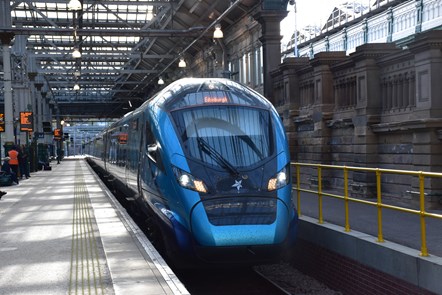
[160,81]
[76,87]
[182,63]
[77,73]
[76,53]
[74,5]
[217,34]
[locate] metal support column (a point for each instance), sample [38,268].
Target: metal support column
[59,143]
[19,83]
[6,38]
[9,117]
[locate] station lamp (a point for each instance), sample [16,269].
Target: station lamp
[160,81]
[217,34]
[76,53]
[74,5]
[76,87]
[182,63]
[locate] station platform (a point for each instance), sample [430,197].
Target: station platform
[63,232]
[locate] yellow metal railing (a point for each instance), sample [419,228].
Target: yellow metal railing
[346,198]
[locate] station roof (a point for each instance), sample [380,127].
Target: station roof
[125,46]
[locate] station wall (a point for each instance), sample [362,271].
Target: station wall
[378,107]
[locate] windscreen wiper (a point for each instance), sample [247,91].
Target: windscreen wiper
[214,154]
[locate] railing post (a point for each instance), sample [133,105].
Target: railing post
[298,188]
[419,14]
[347,223]
[424,250]
[379,205]
[320,219]
[390,24]
[365,30]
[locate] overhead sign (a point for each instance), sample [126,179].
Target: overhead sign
[47,127]
[26,121]
[58,134]
[2,122]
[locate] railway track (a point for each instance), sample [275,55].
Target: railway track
[228,281]
[260,280]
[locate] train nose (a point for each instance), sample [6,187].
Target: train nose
[237,220]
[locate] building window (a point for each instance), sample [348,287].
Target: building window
[241,69]
[306,93]
[248,65]
[398,92]
[258,67]
[346,93]
[234,70]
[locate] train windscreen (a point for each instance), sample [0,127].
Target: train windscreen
[238,135]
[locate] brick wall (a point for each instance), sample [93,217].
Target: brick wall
[348,276]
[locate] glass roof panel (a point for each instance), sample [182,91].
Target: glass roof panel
[115,55]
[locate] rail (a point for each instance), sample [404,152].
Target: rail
[346,198]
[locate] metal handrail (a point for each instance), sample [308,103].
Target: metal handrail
[421,212]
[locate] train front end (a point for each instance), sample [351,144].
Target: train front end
[232,170]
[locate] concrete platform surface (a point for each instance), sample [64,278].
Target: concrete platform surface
[62,232]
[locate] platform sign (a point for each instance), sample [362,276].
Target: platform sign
[2,122]
[58,135]
[26,121]
[122,138]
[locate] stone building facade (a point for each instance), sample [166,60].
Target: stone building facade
[379,107]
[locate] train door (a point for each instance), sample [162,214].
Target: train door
[105,154]
[141,151]
[149,164]
[133,153]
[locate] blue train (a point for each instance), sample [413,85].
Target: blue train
[207,162]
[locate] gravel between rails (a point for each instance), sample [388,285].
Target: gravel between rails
[293,281]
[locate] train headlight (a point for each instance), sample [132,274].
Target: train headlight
[188,181]
[279,180]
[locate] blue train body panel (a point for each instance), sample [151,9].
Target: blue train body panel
[209,158]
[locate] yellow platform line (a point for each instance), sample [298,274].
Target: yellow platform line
[86,272]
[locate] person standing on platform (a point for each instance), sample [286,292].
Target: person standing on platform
[6,167]
[13,162]
[24,162]
[58,155]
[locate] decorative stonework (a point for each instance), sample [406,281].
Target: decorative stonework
[378,107]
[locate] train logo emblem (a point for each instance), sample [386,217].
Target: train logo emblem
[238,184]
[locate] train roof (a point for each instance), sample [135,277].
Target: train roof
[203,91]
[200,91]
